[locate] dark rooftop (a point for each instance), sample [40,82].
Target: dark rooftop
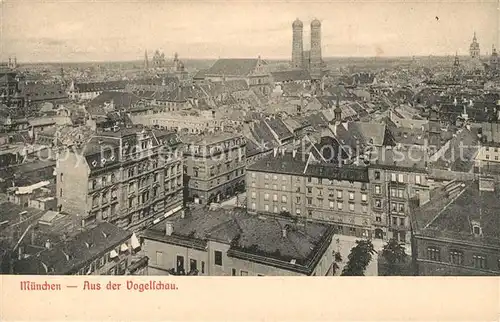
[257,238]
[452,210]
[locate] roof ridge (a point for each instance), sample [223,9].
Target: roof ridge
[444,208]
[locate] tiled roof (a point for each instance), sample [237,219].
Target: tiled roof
[71,256]
[42,92]
[291,75]
[232,67]
[451,210]
[100,86]
[120,100]
[251,237]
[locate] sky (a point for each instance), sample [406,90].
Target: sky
[108,30]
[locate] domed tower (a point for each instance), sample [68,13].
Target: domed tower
[494,59]
[297,44]
[315,56]
[474,48]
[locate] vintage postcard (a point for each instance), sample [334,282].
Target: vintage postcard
[147,147]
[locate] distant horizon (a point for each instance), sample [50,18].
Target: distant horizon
[103,30]
[167,58]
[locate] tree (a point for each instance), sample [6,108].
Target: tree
[359,258]
[395,257]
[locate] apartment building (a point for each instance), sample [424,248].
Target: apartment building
[293,183]
[225,242]
[130,177]
[395,179]
[214,166]
[457,231]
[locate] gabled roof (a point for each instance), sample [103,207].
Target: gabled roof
[120,100]
[232,67]
[69,257]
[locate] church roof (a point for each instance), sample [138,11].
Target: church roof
[233,67]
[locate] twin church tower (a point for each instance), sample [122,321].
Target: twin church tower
[307,59]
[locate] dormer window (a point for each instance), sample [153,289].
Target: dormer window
[476,228]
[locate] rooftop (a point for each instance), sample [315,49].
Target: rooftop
[257,238]
[454,207]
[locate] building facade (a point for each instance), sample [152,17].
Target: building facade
[288,183]
[131,178]
[214,166]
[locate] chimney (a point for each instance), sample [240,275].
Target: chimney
[48,244]
[294,153]
[486,184]
[275,151]
[169,228]
[283,231]
[20,252]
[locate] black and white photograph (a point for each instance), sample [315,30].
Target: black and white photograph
[248,138]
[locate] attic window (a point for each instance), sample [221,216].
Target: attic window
[88,244]
[105,235]
[94,163]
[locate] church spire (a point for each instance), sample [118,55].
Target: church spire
[146,61]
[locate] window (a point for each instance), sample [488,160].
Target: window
[320,181]
[193,264]
[339,194]
[378,219]
[254,206]
[378,203]
[351,195]
[394,206]
[266,176]
[243,273]
[400,177]
[297,199]
[401,221]
[364,197]
[331,205]
[456,257]
[393,177]
[479,261]
[266,196]
[60,192]
[275,177]
[309,201]
[266,207]
[218,258]
[417,179]
[400,193]
[297,211]
[254,195]
[377,175]
[275,197]
[351,207]
[340,205]
[394,221]
[233,271]
[377,189]
[275,187]
[203,267]
[433,254]
[283,178]
[159,258]
[275,209]
[309,190]
[253,174]
[364,208]
[283,198]
[401,207]
[61,177]
[283,187]
[309,179]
